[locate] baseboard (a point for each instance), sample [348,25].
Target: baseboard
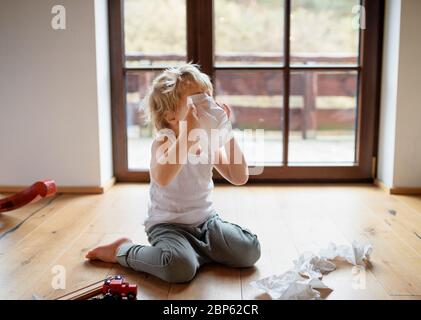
[405,190]
[107,185]
[382,185]
[67,189]
[398,190]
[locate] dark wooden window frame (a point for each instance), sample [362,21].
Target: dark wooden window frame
[200,44]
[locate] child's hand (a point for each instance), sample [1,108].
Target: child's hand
[227,109]
[191,118]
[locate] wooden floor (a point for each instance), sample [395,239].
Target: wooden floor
[288,220]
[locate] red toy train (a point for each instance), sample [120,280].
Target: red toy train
[115,288]
[112,288]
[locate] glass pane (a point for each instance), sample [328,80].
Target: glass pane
[256,100]
[324,32]
[249,32]
[139,130]
[323,111]
[155,32]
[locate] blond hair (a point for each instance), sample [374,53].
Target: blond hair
[167,88]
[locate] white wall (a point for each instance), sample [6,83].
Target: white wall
[103,89]
[386,159]
[400,130]
[408,117]
[54,94]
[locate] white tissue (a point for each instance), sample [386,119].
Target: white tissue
[290,286]
[300,282]
[212,117]
[313,266]
[356,254]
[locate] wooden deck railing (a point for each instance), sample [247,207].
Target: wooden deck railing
[308,85]
[152,59]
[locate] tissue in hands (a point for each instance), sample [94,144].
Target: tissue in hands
[212,118]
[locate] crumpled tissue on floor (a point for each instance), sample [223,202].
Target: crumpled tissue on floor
[300,282]
[290,286]
[357,254]
[313,266]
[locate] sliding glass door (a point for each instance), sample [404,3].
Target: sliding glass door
[302,74]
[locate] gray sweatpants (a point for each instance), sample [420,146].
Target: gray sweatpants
[177,251]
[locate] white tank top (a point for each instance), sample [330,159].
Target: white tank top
[185,200]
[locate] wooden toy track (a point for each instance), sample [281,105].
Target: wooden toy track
[111,288]
[84,293]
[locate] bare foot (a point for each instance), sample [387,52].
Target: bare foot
[108,252]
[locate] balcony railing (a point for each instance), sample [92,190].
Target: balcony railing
[139,58]
[310,87]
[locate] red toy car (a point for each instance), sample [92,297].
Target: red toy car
[116,288]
